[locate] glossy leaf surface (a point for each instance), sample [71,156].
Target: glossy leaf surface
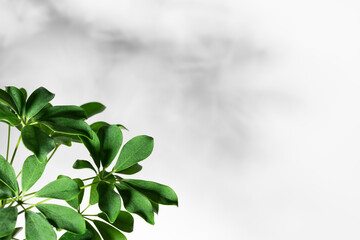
[37,227]
[124,221]
[63,188]
[92,108]
[37,100]
[109,201]
[81,164]
[110,141]
[18,98]
[31,172]
[8,116]
[131,170]
[75,202]
[108,232]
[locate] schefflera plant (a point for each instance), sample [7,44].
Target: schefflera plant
[43,128]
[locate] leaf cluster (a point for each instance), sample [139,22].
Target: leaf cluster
[43,129]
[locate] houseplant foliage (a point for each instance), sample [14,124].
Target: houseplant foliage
[43,129]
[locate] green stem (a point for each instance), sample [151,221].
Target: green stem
[19,174]
[15,150]
[88,178]
[29,194]
[8,144]
[85,209]
[34,205]
[52,154]
[89,185]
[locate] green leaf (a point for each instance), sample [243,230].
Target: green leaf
[66,111]
[97,125]
[5,191]
[8,116]
[93,146]
[71,236]
[76,202]
[155,207]
[109,201]
[156,192]
[18,98]
[7,176]
[94,195]
[37,141]
[31,172]
[134,151]
[63,188]
[93,108]
[124,221]
[131,170]
[69,126]
[7,100]
[8,218]
[24,92]
[110,141]
[37,227]
[137,203]
[108,232]
[37,100]
[63,217]
[81,164]
[12,235]
[96,235]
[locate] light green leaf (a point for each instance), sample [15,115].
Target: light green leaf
[63,217]
[134,151]
[81,164]
[108,232]
[110,141]
[37,100]
[93,146]
[12,235]
[37,227]
[63,188]
[124,221]
[8,218]
[135,202]
[5,191]
[156,192]
[37,141]
[66,111]
[68,126]
[75,202]
[8,116]
[131,170]
[8,177]
[31,172]
[94,195]
[109,201]
[93,108]
[18,98]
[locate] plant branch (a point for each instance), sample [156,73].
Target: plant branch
[15,150]
[52,154]
[8,144]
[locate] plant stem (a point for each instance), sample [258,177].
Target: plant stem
[29,194]
[89,185]
[88,178]
[52,154]
[8,144]
[85,209]
[34,205]
[19,174]
[15,150]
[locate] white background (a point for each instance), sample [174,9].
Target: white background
[254,105]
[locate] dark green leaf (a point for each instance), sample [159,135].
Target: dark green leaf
[75,202]
[7,176]
[155,207]
[31,172]
[124,221]
[24,92]
[156,192]
[108,232]
[69,126]
[81,164]
[5,191]
[37,227]
[93,108]
[134,151]
[8,116]
[110,141]
[63,217]
[93,146]
[137,203]
[109,201]
[37,100]
[131,170]
[37,141]
[96,235]
[94,195]
[71,236]
[18,98]
[7,100]
[97,125]
[67,111]
[8,218]
[63,188]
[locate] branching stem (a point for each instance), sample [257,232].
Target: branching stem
[15,150]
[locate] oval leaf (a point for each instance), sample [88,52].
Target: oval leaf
[7,100]
[66,111]
[18,98]
[109,201]
[88,235]
[37,227]
[37,141]
[134,151]
[76,202]
[81,164]
[108,232]
[131,170]
[154,191]
[37,100]
[63,188]
[7,176]
[69,126]
[93,146]
[110,141]
[124,221]
[8,218]
[8,116]
[63,217]
[136,203]
[92,108]
[94,195]
[31,172]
